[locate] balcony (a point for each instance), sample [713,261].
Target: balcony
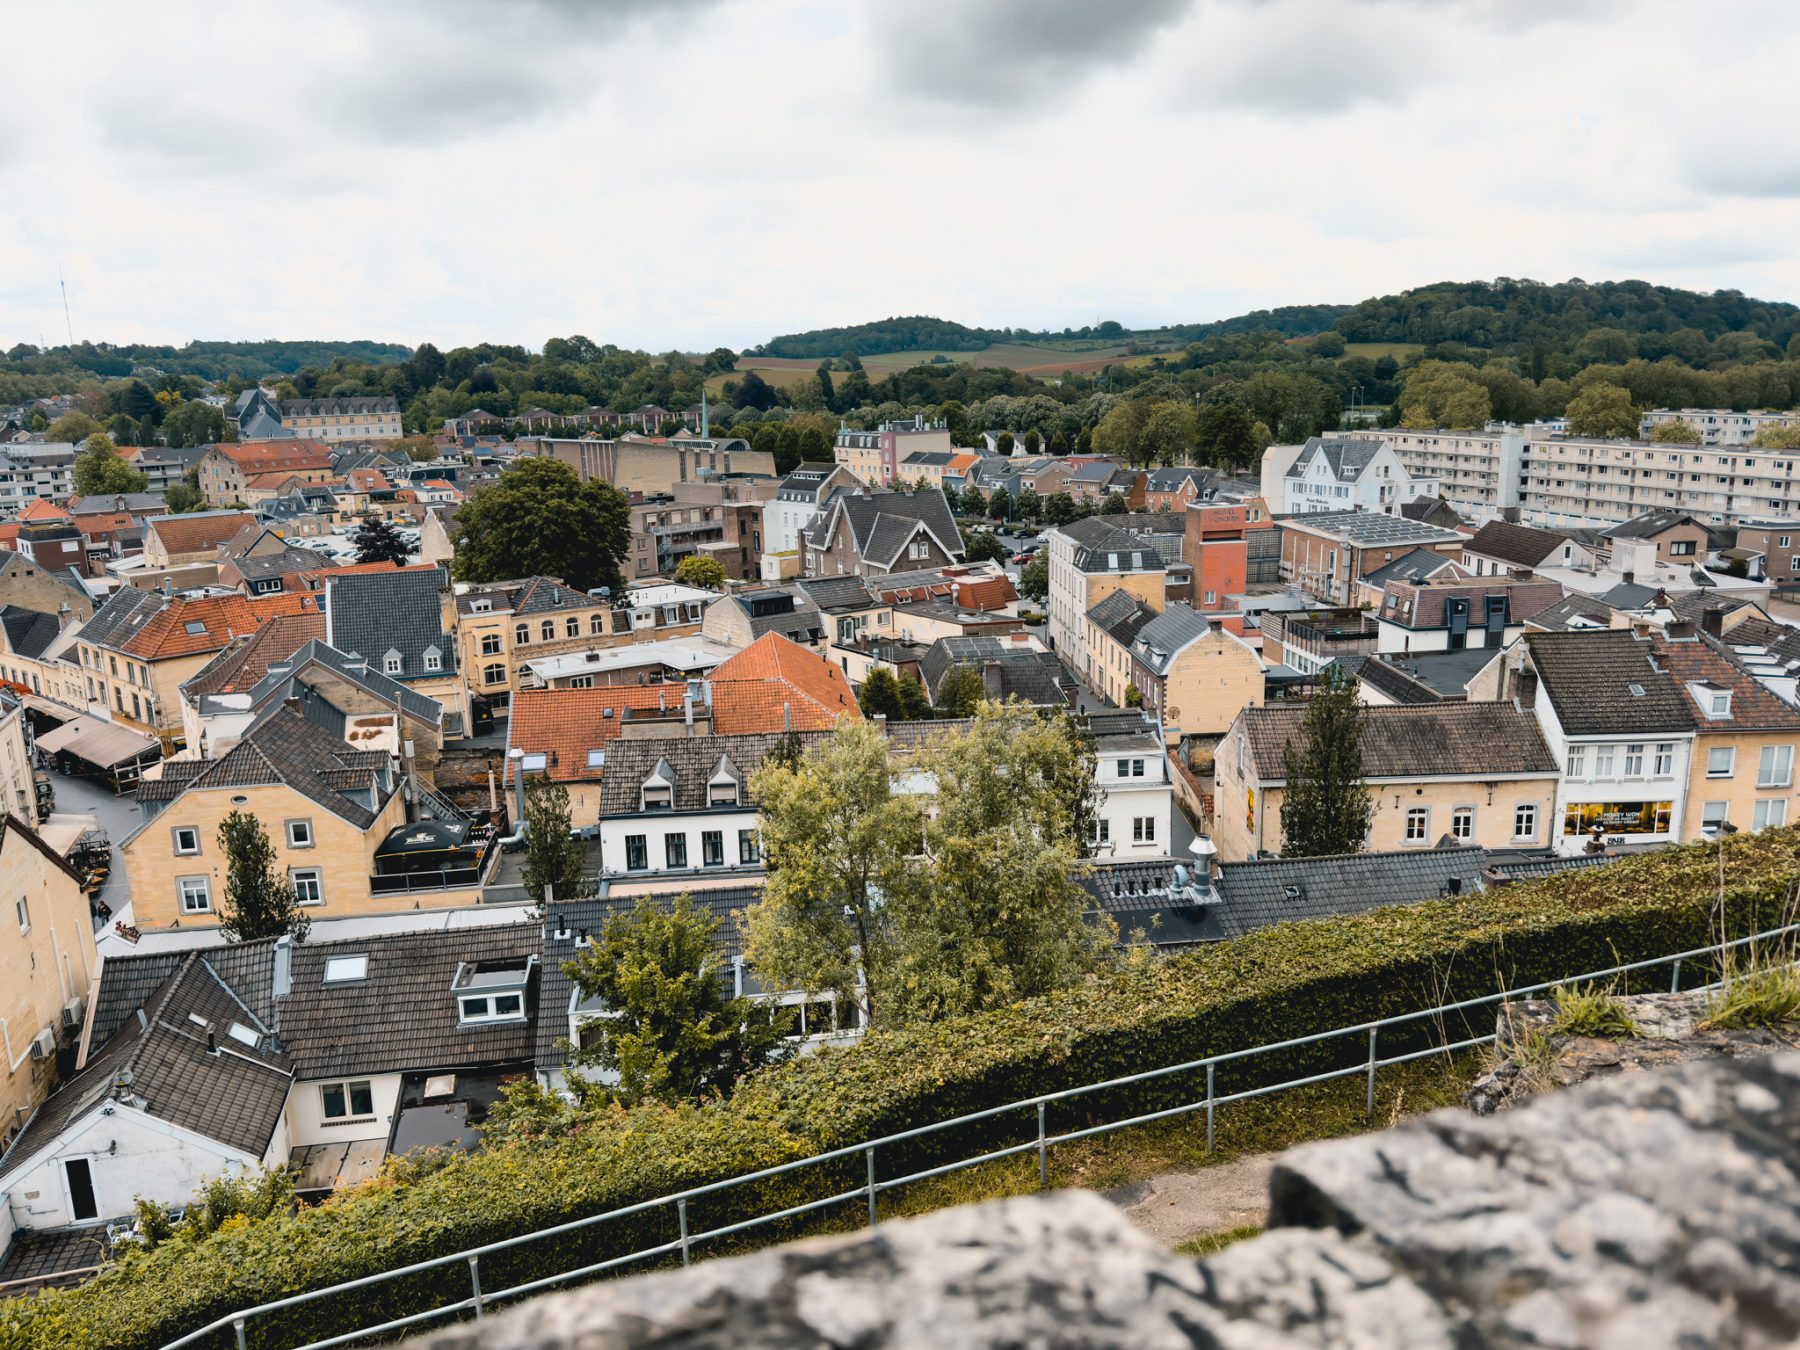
[433,855]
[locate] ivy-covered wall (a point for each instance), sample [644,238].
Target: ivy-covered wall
[1275,984]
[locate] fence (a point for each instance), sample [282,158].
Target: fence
[1036,1110]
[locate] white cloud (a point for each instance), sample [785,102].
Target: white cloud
[711,171]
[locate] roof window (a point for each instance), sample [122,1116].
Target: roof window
[194,627]
[346,969]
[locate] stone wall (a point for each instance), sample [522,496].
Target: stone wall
[1648,1210]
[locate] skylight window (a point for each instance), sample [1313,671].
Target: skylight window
[534,763]
[345,969]
[596,759]
[243,1035]
[1637,690]
[195,627]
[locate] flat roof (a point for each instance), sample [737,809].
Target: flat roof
[686,653]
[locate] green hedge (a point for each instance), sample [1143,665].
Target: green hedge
[1275,984]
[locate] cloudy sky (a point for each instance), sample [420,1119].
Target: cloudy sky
[702,172]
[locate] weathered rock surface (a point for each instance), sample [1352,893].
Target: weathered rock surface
[1641,1211]
[1670,1029]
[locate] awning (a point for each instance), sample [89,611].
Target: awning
[101,743]
[49,707]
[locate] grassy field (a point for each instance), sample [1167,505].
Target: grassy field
[1044,361]
[1400,351]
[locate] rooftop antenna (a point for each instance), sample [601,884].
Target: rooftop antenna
[64,287]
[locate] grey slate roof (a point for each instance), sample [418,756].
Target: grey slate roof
[313,407]
[1007,671]
[803,623]
[1602,682]
[1159,641]
[1171,478]
[1415,565]
[403,1014]
[374,613]
[1650,524]
[1155,900]
[284,749]
[1426,677]
[1269,891]
[288,678]
[1464,740]
[262,566]
[1519,545]
[1109,544]
[837,594]
[28,631]
[235,1094]
[1345,456]
[1630,595]
[1120,616]
[689,762]
[881,523]
[1572,612]
[126,610]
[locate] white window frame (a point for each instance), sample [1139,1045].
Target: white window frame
[180,830]
[1663,766]
[1462,823]
[186,888]
[1768,811]
[1577,764]
[1421,817]
[1525,814]
[314,875]
[1634,760]
[1605,757]
[1729,752]
[346,1088]
[1712,815]
[22,908]
[300,834]
[483,1008]
[1775,766]
[1143,829]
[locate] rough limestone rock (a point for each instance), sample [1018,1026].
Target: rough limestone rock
[1640,1211]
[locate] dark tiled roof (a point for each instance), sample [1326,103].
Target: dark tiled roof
[1572,612]
[881,523]
[284,749]
[1650,524]
[1396,685]
[1753,706]
[1432,675]
[1120,616]
[1424,604]
[283,675]
[161,1058]
[1168,633]
[374,614]
[248,659]
[1415,565]
[1631,595]
[403,1014]
[691,763]
[1008,670]
[1449,739]
[1155,900]
[28,631]
[1270,891]
[1517,544]
[1602,683]
[832,594]
[1345,456]
[1103,544]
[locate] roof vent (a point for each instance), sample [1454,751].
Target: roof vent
[1291,892]
[1637,690]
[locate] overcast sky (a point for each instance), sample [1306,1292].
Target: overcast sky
[702,172]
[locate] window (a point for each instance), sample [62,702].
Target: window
[1418,824]
[1603,761]
[391,664]
[1775,766]
[1462,823]
[346,1101]
[637,852]
[675,850]
[345,969]
[433,661]
[24,912]
[572,627]
[308,884]
[195,893]
[1131,768]
[522,634]
[494,674]
[723,793]
[1712,815]
[712,848]
[1767,812]
[1525,821]
[187,841]
[1143,829]
[547,630]
[1577,761]
[1665,760]
[1103,831]
[597,624]
[1634,761]
[509,1007]
[747,849]
[1720,761]
[299,834]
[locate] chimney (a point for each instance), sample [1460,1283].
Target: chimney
[168,585]
[1679,630]
[880,720]
[1712,621]
[212,1043]
[1628,577]
[282,982]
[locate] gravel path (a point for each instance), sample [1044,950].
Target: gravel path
[1176,1206]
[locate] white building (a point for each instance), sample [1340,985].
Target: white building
[1135,816]
[1477,472]
[1719,426]
[1580,481]
[1346,473]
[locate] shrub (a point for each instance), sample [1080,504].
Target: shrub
[1761,997]
[1274,984]
[1589,1011]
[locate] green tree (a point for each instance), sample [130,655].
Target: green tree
[1030,506]
[1034,577]
[915,703]
[259,902]
[1444,394]
[1134,697]
[1325,805]
[880,694]
[1003,443]
[970,501]
[1603,410]
[1033,441]
[669,1031]
[835,836]
[961,692]
[1059,509]
[983,546]
[182,497]
[72,428]
[101,471]
[1169,434]
[708,574]
[1115,505]
[999,505]
[190,424]
[377,539]
[1329,345]
[539,519]
[553,858]
[827,390]
[1780,436]
[1225,435]
[1680,431]
[1118,432]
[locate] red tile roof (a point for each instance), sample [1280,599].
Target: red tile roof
[775,681]
[38,509]
[253,457]
[197,533]
[567,723]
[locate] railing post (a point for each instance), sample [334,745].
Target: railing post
[1675,980]
[1370,1107]
[475,1279]
[869,1153]
[681,1219]
[237,1325]
[1043,1153]
[1209,1107]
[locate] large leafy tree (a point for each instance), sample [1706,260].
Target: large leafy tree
[698,570]
[983,546]
[540,519]
[1226,435]
[190,424]
[899,698]
[1325,804]
[378,539]
[72,427]
[553,859]
[1603,409]
[670,1031]
[1678,431]
[259,902]
[101,471]
[1169,434]
[1034,577]
[961,692]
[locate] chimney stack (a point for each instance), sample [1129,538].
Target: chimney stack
[1712,621]
[281,983]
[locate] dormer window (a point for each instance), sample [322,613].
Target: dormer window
[658,790]
[434,659]
[492,991]
[1713,700]
[393,663]
[724,788]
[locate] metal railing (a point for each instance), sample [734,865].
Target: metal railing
[480,1301]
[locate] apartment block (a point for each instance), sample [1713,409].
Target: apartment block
[1719,426]
[1477,472]
[1577,481]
